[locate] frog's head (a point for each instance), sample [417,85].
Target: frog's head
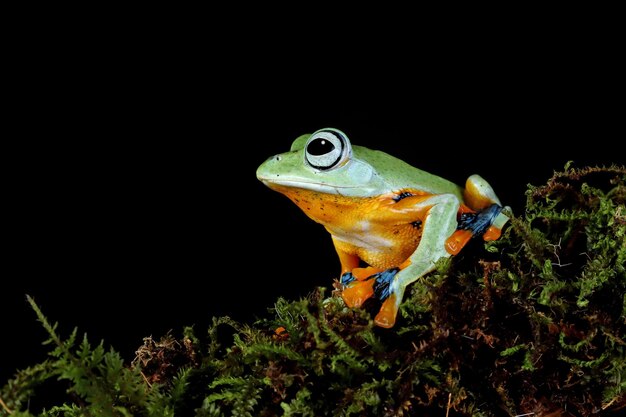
[324,162]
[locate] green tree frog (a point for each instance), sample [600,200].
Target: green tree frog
[389,221]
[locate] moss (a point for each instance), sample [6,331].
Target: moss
[532,323]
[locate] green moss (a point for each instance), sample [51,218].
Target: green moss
[532,323]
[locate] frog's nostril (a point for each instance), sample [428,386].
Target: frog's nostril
[278,158]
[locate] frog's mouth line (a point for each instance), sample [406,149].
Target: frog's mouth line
[307,185]
[345,190]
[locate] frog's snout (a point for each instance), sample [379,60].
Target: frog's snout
[266,171]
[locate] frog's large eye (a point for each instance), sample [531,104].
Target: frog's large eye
[327,149]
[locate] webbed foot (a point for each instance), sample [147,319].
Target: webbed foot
[380,285]
[356,292]
[359,285]
[487,223]
[385,292]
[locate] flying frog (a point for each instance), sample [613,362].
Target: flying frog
[389,221]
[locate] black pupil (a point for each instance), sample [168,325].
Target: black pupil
[320,147]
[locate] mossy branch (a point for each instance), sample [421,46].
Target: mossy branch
[535,324]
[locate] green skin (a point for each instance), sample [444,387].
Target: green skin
[366,173]
[362,172]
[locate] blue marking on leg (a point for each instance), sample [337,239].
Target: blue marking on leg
[478,223]
[382,286]
[347,278]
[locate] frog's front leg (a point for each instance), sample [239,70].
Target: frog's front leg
[438,214]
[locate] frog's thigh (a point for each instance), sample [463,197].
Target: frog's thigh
[478,194]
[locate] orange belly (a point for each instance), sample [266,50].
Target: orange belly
[362,226]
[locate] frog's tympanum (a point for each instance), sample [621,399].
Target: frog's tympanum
[390,222]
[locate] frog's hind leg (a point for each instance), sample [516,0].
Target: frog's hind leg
[482,217]
[478,194]
[481,197]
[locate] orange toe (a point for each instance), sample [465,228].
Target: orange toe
[357,292]
[386,317]
[455,243]
[493,233]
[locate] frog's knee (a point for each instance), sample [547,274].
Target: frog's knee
[478,194]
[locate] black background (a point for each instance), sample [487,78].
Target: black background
[133,206]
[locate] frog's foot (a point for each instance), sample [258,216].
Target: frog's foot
[487,223]
[356,292]
[497,224]
[386,291]
[360,284]
[381,285]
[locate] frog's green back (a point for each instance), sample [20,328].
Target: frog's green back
[399,175]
